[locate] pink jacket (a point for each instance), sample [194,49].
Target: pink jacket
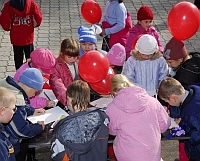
[137,120]
[138,30]
[60,80]
[36,102]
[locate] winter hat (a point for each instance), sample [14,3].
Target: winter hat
[144,13]
[174,50]
[33,78]
[87,35]
[117,55]
[44,59]
[146,44]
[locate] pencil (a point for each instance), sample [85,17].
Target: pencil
[47,96]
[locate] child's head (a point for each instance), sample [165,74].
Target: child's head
[119,82]
[78,96]
[145,17]
[7,105]
[69,51]
[171,91]
[87,38]
[31,81]
[175,52]
[43,59]
[147,46]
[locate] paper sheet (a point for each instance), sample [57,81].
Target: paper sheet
[51,115]
[102,102]
[49,95]
[173,124]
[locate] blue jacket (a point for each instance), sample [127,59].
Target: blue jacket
[82,136]
[189,113]
[6,148]
[19,128]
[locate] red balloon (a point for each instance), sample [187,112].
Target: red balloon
[93,66]
[103,87]
[135,41]
[183,21]
[91,11]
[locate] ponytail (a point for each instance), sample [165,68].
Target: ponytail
[120,1]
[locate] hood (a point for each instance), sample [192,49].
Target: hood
[79,132]
[21,6]
[132,99]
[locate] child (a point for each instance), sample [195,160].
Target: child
[116,23]
[144,26]
[30,82]
[137,120]
[146,67]
[44,60]
[66,70]
[7,109]
[116,57]
[84,134]
[185,68]
[20,17]
[187,107]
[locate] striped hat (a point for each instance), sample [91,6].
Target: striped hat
[87,35]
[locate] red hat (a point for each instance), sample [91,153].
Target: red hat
[174,50]
[144,13]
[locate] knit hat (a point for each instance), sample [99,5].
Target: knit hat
[146,44]
[174,50]
[144,13]
[117,55]
[44,59]
[33,78]
[87,35]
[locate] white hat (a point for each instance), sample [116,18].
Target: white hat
[146,44]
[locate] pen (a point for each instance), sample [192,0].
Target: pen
[47,96]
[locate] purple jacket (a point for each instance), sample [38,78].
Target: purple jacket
[36,102]
[137,120]
[138,30]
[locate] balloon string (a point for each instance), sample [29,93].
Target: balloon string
[106,43]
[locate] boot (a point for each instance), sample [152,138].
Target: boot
[31,155]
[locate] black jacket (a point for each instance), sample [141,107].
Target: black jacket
[82,136]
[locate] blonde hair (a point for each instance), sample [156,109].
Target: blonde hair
[168,87]
[120,81]
[69,47]
[6,97]
[79,91]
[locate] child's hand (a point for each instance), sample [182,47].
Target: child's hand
[50,103]
[39,111]
[41,123]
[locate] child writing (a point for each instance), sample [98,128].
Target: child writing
[185,67]
[143,26]
[20,17]
[116,57]
[84,134]
[7,109]
[44,60]
[146,67]
[30,82]
[131,113]
[116,23]
[66,70]
[187,104]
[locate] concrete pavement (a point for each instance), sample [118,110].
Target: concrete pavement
[61,18]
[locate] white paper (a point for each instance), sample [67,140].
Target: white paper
[173,124]
[50,115]
[50,95]
[102,102]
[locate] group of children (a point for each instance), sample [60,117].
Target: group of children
[135,117]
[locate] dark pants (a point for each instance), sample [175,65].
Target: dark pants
[197,3]
[19,52]
[105,44]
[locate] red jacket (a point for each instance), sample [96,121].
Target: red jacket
[60,80]
[21,23]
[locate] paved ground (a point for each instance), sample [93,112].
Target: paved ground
[61,18]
